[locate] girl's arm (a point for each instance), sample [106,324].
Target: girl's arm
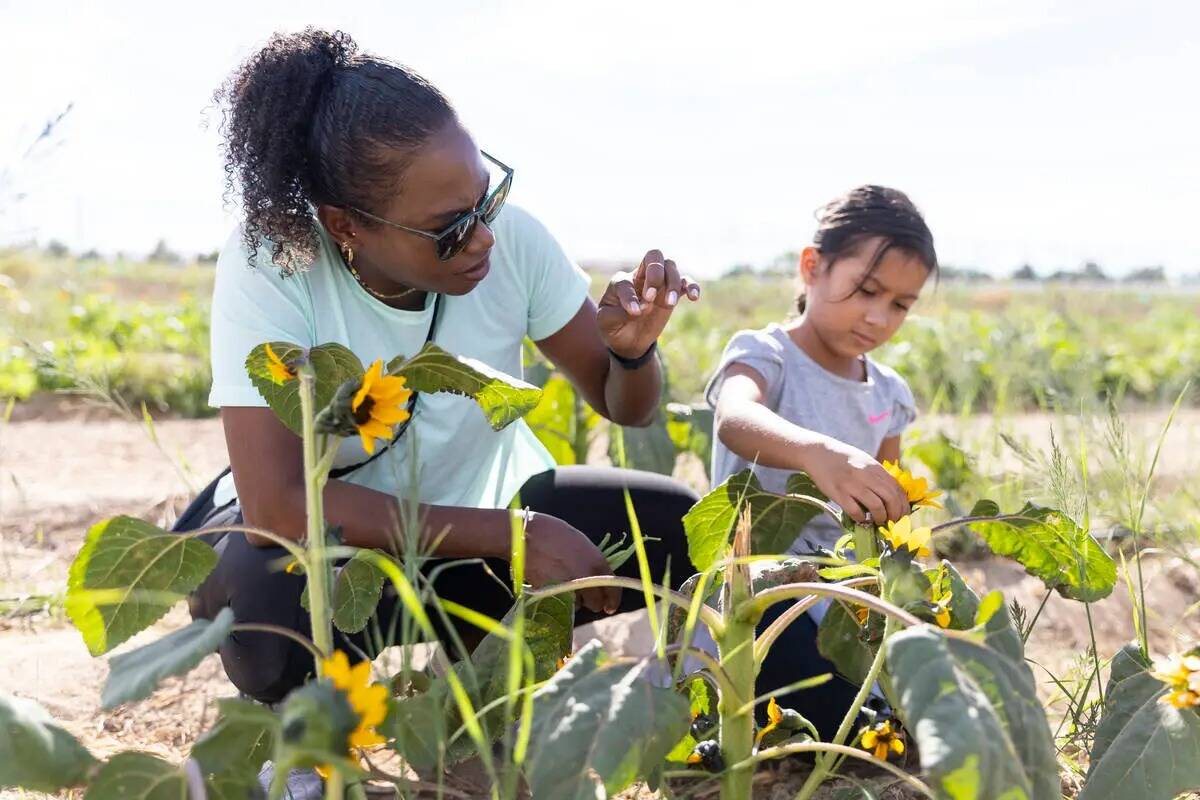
[628,321]
[848,476]
[268,470]
[889,450]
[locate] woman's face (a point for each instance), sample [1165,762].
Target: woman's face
[443,179]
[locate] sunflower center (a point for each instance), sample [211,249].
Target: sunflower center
[362,415]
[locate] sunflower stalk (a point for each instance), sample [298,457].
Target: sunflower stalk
[317,568]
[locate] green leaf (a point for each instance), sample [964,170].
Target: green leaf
[1144,748]
[241,741]
[138,776]
[356,592]
[964,603]
[950,465]
[775,520]
[136,674]
[649,449]
[702,702]
[333,364]
[840,639]
[557,421]
[504,399]
[691,429]
[421,723]
[598,723]
[127,575]
[972,705]
[35,753]
[1054,549]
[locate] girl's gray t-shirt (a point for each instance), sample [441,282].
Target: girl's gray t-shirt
[858,413]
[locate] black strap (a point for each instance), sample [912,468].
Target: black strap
[342,472]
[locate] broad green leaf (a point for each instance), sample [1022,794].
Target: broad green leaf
[35,753]
[333,364]
[561,422]
[649,449]
[1054,549]
[770,574]
[138,776]
[356,593]
[136,674]
[840,639]
[1144,748]
[971,703]
[127,575]
[775,520]
[417,726]
[241,741]
[598,723]
[503,398]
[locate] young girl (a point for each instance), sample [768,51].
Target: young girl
[804,396]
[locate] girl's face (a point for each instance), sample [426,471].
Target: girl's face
[851,311]
[443,179]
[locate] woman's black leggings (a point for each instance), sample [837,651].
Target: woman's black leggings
[267,666]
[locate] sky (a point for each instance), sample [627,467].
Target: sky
[1042,132]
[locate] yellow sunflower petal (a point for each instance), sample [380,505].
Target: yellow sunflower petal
[372,374]
[279,371]
[324,770]
[365,738]
[897,746]
[389,415]
[337,669]
[943,618]
[881,751]
[694,758]
[375,429]
[368,442]
[770,726]
[869,738]
[774,712]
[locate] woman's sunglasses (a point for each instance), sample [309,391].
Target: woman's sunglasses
[451,240]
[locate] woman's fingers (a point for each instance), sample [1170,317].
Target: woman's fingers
[690,288]
[627,296]
[654,270]
[672,284]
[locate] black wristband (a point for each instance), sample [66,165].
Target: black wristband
[634,363]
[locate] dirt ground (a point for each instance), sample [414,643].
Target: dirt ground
[62,471]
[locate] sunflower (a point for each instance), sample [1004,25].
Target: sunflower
[774,717]
[882,739]
[1182,675]
[378,405]
[917,489]
[280,372]
[901,534]
[368,700]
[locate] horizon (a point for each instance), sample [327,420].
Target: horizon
[1048,134]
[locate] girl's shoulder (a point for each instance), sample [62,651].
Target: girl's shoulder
[770,341]
[890,382]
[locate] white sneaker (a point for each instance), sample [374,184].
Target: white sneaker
[302,784]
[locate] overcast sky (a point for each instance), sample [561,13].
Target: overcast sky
[1048,132]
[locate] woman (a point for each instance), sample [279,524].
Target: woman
[373,219]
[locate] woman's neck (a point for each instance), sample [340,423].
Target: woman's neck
[386,290]
[805,336]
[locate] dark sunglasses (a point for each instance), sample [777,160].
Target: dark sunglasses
[450,241]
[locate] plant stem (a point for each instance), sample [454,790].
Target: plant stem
[314,484]
[736,646]
[822,767]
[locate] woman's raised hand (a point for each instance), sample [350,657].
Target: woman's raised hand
[636,305]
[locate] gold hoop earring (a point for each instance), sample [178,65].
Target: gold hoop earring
[348,253]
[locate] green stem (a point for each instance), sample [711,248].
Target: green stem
[839,750]
[314,484]
[823,765]
[737,721]
[335,785]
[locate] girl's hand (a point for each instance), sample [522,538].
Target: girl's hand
[856,482]
[555,552]
[636,306]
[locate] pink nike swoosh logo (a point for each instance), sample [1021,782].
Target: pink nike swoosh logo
[875,419]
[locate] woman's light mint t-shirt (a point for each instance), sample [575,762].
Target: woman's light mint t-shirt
[533,289]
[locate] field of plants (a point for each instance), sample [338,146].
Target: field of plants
[1032,625]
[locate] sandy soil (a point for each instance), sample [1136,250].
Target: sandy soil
[59,475]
